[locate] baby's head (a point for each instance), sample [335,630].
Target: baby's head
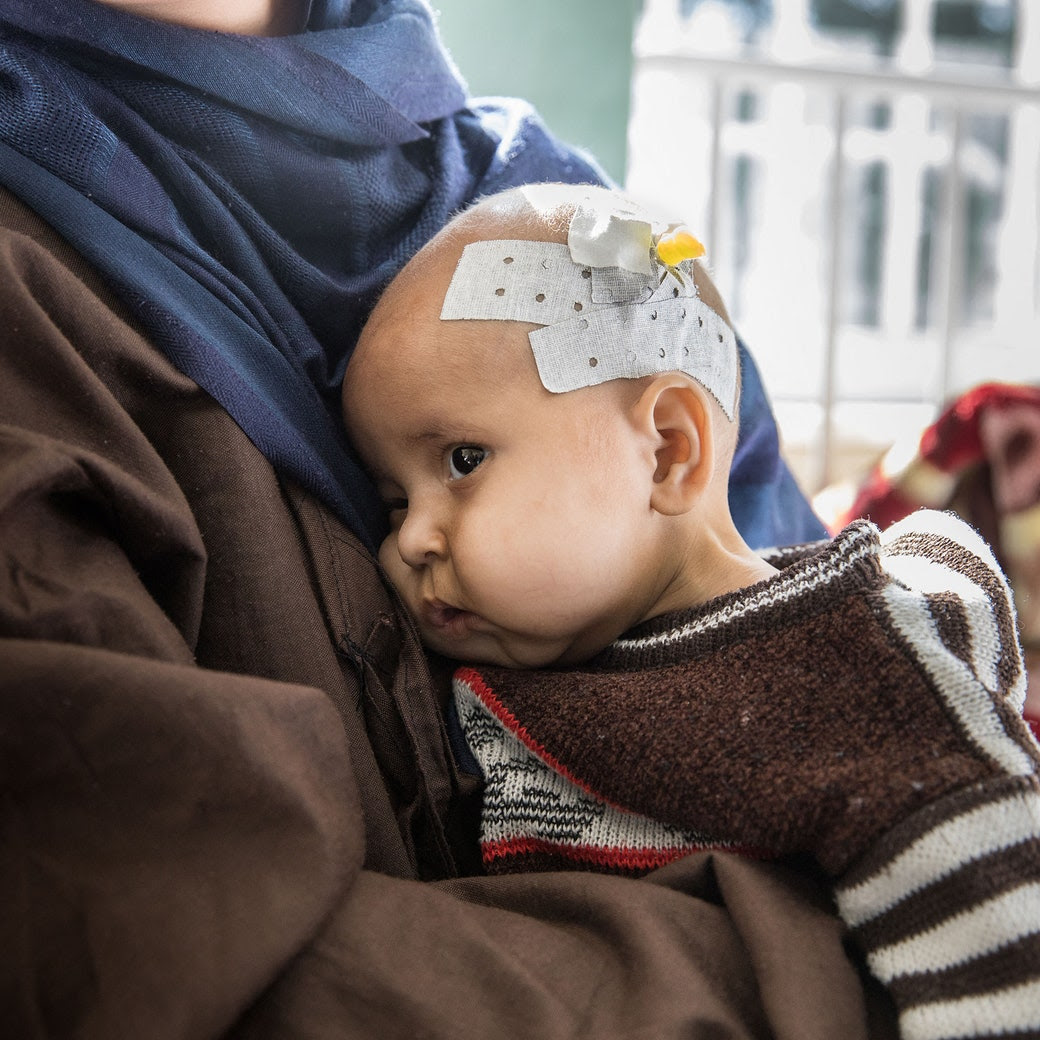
[546,397]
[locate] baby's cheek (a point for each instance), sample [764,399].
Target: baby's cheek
[390,558]
[524,580]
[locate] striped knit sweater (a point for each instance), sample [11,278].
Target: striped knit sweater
[862,707]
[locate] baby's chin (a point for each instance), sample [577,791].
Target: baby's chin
[499,653]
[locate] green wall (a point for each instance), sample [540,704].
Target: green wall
[572,59]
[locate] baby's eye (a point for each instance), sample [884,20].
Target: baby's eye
[464,459]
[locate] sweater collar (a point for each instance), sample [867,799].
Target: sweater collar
[810,577]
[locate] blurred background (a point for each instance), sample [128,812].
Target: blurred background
[864,172]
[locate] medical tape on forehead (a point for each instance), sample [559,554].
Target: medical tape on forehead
[599,323]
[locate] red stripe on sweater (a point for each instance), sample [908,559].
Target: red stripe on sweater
[480,689]
[617,856]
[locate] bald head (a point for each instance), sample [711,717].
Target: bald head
[543,213]
[535,213]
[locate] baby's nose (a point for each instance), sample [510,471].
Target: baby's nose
[420,539]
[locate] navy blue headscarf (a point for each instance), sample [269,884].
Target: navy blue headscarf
[248,198]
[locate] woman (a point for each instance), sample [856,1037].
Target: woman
[225,769]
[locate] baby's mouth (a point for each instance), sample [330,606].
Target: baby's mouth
[446,618]
[440,613]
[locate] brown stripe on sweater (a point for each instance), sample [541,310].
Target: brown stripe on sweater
[973,883]
[782,556]
[951,622]
[951,619]
[954,629]
[1010,966]
[909,831]
[955,557]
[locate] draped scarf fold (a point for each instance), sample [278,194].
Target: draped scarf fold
[248,197]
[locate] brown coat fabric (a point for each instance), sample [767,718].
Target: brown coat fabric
[227,806]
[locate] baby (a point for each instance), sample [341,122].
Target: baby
[547,399]
[532,528]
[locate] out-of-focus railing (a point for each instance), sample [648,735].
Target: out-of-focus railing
[873,224]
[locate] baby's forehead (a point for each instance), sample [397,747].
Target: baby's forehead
[407,340]
[601,308]
[412,306]
[587,292]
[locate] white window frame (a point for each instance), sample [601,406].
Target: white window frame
[662,156]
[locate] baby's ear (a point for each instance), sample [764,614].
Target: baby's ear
[676,415]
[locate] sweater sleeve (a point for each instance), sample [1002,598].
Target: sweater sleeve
[946,909]
[946,905]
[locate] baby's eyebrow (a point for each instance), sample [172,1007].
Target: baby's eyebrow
[434,432]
